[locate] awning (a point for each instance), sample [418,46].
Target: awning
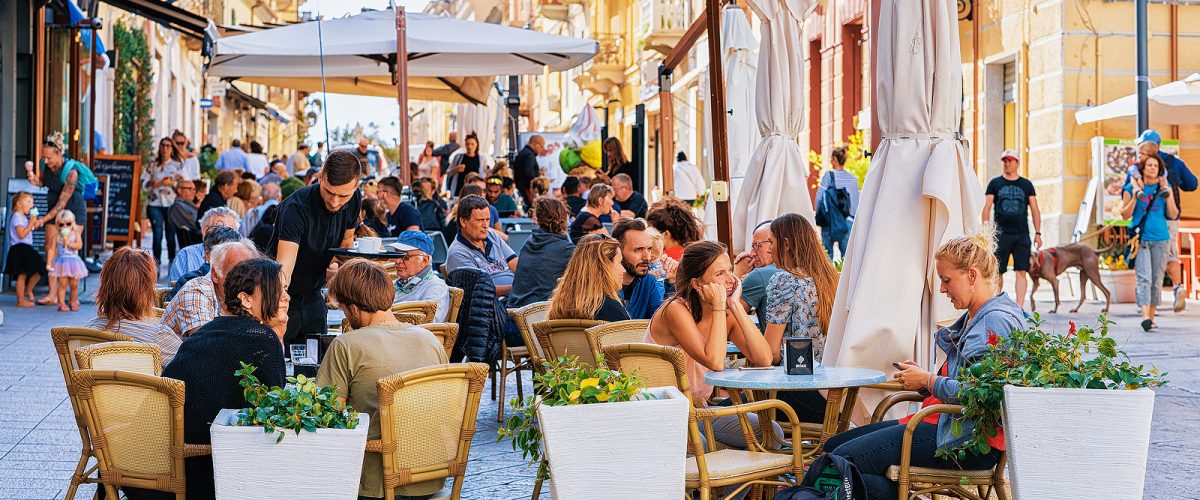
[185,22]
[1176,103]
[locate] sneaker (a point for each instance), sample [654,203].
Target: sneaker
[1180,298]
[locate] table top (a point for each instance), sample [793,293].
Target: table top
[823,377]
[381,255]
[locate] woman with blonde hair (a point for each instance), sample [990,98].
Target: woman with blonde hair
[588,289]
[968,272]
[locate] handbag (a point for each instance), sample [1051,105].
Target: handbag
[1131,250]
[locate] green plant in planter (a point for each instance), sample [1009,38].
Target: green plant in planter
[1084,358]
[566,382]
[301,406]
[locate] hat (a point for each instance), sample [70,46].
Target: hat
[413,240]
[1149,135]
[1010,153]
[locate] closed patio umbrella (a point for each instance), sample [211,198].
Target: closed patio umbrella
[777,177]
[920,191]
[740,58]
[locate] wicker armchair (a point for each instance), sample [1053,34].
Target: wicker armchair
[520,357]
[136,425]
[525,317]
[412,318]
[617,332]
[66,342]
[456,300]
[137,357]
[566,337]
[427,420]
[924,482]
[712,468]
[446,333]
[427,308]
[161,294]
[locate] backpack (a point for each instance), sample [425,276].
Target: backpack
[830,477]
[834,209]
[88,183]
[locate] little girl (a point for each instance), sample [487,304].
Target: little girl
[657,255]
[24,261]
[67,267]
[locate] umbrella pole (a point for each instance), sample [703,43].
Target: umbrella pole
[720,146]
[402,90]
[666,131]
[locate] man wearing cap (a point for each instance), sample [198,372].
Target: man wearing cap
[1014,199]
[1181,179]
[416,281]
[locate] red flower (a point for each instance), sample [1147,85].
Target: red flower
[992,339]
[1072,330]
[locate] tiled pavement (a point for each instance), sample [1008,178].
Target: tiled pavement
[39,443]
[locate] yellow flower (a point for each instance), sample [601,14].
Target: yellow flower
[589,382]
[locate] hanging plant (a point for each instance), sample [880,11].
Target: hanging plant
[133,126]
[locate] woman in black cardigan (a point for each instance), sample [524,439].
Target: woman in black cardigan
[251,330]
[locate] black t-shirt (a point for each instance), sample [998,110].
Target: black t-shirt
[54,187]
[611,310]
[1011,203]
[304,220]
[576,203]
[405,216]
[584,224]
[211,201]
[470,164]
[635,203]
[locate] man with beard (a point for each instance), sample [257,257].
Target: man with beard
[641,293]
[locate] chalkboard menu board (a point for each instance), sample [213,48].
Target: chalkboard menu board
[124,193]
[97,229]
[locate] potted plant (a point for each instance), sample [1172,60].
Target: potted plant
[1076,411]
[1118,277]
[253,457]
[596,431]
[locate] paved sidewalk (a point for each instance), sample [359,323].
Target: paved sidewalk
[39,443]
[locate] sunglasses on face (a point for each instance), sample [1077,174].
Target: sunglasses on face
[496,182]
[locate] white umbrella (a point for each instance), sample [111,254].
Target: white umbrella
[777,176]
[359,52]
[740,57]
[920,192]
[1176,103]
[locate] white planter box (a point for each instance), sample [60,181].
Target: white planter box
[248,463]
[1122,284]
[636,449]
[1083,443]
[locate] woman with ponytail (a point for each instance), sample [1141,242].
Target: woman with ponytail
[967,269]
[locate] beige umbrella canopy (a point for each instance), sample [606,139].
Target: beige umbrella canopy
[920,192]
[472,89]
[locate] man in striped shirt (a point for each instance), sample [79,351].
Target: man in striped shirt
[843,180]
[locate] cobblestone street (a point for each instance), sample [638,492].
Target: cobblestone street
[39,444]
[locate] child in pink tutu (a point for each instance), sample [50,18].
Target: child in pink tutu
[65,264]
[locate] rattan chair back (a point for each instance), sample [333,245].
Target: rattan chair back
[616,332]
[446,333]
[136,425]
[566,337]
[161,295]
[456,300]
[137,357]
[525,317]
[427,308]
[656,365]
[427,421]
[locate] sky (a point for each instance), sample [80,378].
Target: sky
[346,110]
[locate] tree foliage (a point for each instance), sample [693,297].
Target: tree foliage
[132,122]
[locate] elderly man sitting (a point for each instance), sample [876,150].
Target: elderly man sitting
[271,195]
[416,280]
[216,236]
[191,257]
[199,300]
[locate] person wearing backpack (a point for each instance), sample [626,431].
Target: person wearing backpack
[62,177]
[837,202]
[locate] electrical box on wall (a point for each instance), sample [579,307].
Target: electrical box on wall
[720,191]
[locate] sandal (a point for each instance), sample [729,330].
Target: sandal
[1147,324]
[47,301]
[74,305]
[63,308]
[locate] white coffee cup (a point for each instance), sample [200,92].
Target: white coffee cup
[368,244]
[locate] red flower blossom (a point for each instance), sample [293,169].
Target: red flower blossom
[1071,331]
[992,338]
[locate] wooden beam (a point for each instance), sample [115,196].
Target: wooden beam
[402,89]
[716,101]
[690,36]
[666,131]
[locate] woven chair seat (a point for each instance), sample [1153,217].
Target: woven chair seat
[728,463]
[942,476]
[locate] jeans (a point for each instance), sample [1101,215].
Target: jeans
[828,241]
[876,447]
[1150,262]
[808,405]
[161,226]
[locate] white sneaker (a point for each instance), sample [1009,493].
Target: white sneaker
[1180,298]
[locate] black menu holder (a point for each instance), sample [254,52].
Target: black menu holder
[798,356]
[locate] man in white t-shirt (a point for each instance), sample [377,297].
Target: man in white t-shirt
[689,184]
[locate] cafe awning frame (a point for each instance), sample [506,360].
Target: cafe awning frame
[189,23]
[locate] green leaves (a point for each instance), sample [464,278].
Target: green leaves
[565,382]
[299,406]
[1088,359]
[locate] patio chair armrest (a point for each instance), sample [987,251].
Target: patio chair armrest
[744,409]
[196,450]
[892,400]
[890,385]
[374,446]
[906,443]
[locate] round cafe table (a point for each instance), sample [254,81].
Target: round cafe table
[841,383]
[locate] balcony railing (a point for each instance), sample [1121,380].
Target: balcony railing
[607,69]
[665,22]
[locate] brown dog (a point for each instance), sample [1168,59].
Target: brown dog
[1048,264]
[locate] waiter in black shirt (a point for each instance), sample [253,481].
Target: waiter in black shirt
[310,222]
